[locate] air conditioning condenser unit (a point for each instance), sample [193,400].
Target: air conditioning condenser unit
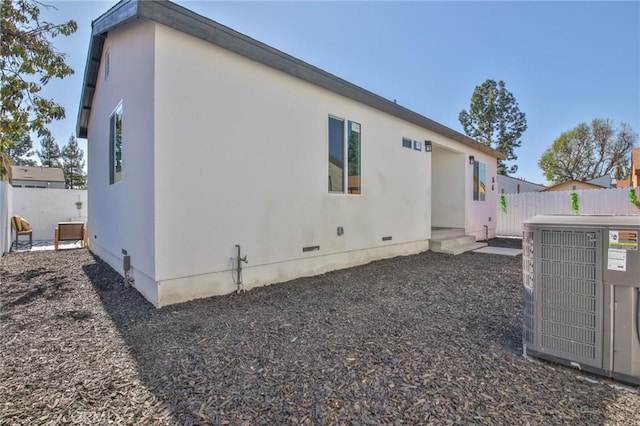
[581,279]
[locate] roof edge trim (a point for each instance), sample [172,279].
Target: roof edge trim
[186,21]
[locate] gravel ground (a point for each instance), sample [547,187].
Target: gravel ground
[429,338]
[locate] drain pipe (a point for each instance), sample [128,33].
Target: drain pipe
[126,266]
[239,261]
[486,233]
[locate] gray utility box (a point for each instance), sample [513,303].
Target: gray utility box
[581,293]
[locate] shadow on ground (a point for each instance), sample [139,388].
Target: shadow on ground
[416,339]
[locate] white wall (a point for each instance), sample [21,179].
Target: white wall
[121,216]
[45,208]
[481,213]
[6,211]
[256,140]
[448,187]
[220,150]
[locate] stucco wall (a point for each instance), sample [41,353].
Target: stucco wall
[449,183]
[45,208]
[481,213]
[121,215]
[219,150]
[254,168]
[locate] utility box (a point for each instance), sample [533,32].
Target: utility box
[581,277]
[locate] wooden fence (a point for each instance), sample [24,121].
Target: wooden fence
[525,205]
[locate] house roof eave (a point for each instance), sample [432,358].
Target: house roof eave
[118,15]
[181,19]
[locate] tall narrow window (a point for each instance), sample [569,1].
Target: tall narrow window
[106,64]
[336,155]
[115,145]
[353,158]
[479,181]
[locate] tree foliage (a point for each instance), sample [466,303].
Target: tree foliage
[28,61]
[495,120]
[73,165]
[20,152]
[589,151]
[49,154]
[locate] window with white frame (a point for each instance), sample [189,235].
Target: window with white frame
[115,145]
[345,174]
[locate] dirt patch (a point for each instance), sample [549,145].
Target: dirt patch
[430,338]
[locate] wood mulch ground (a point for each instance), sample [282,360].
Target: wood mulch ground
[429,338]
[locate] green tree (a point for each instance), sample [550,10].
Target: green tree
[20,152]
[28,61]
[49,155]
[73,165]
[495,120]
[589,151]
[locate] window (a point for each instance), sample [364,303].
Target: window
[115,145]
[336,155]
[406,143]
[106,64]
[479,181]
[353,157]
[338,151]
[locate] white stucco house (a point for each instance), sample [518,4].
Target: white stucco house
[201,139]
[37,177]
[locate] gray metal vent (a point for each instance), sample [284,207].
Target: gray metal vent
[570,318]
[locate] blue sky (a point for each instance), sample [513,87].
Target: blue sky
[565,62]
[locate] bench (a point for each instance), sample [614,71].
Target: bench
[70,231]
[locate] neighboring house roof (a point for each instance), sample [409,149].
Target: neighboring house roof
[37,174]
[188,22]
[572,184]
[518,180]
[604,181]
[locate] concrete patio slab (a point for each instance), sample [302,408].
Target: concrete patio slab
[499,250]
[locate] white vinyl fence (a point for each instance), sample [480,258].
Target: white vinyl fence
[525,205]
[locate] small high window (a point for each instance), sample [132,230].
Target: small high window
[115,145]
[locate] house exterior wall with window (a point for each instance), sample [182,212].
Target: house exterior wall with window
[257,141]
[481,207]
[121,215]
[219,150]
